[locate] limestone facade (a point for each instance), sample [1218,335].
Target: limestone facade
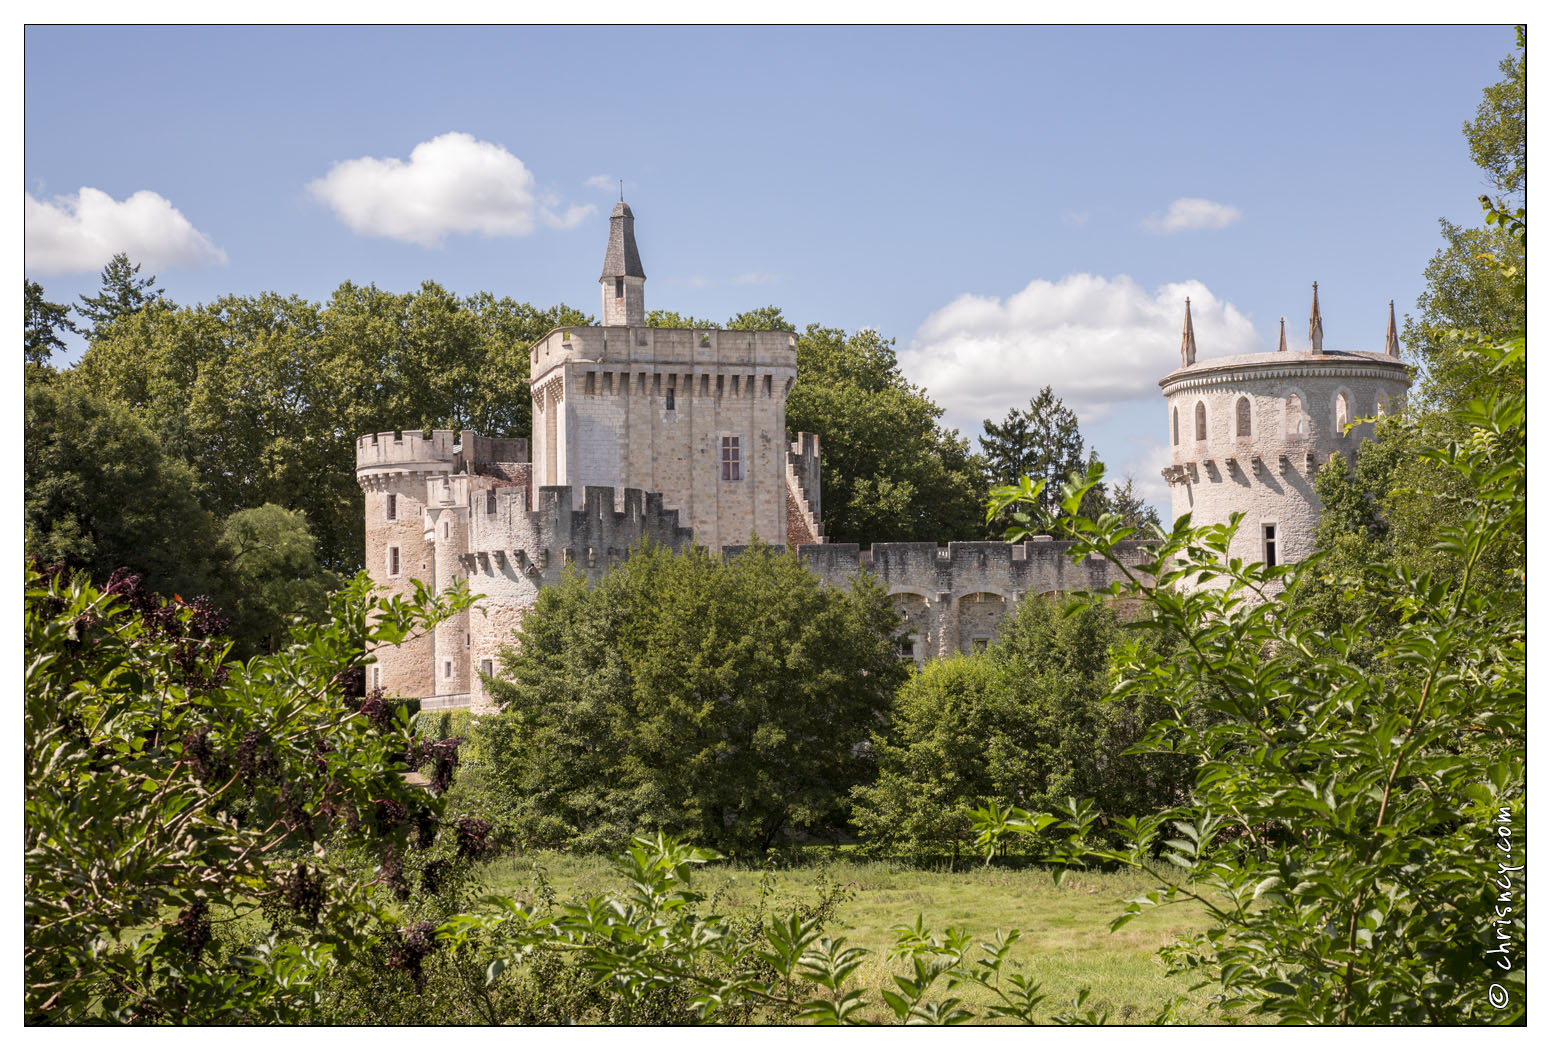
[1247,433]
[678,437]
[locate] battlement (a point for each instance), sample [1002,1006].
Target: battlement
[405,450]
[646,346]
[512,537]
[1041,566]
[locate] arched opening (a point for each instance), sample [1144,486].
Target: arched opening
[1200,421]
[1176,425]
[1342,416]
[1241,417]
[1296,423]
[980,615]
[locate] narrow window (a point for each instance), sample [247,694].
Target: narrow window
[1241,412]
[393,507]
[489,501]
[591,386]
[1200,421]
[1294,414]
[1176,425]
[608,383]
[907,647]
[640,383]
[446,530]
[732,469]
[767,386]
[1341,414]
[446,669]
[670,399]
[393,561]
[619,288]
[705,385]
[721,385]
[656,383]
[1270,531]
[486,668]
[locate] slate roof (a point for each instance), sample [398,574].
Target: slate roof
[622,259]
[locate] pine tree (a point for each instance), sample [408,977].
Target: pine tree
[45,323]
[1043,442]
[123,292]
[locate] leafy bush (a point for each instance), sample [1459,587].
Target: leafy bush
[1355,826]
[723,699]
[1026,723]
[170,795]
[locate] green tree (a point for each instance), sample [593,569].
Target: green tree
[269,576]
[1355,823]
[99,493]
[45,325]
[726,699]
[1132,508]
[890,472]
[760,319]
[1043,442]
[673,319]
[123,292]
[266,395]
[1475,283]
[169,796]
[1025,724]
[1498,136]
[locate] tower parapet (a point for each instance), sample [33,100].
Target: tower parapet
[1248,433]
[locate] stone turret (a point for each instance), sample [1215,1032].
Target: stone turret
[623,280]
[1391,340]
[1249,432]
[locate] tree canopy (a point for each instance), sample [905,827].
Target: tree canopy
[890,471]
[123,293]
[45,325]
[727,700]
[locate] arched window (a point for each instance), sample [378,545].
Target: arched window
[1381,406]
[1342,416]
[1176,425]
[1241,415]
[1295,420]
[1200,421]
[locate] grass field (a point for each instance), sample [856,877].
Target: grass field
[1066,942]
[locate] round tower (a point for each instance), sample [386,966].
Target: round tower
[1247,433]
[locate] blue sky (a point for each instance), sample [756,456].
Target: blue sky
[1014,206]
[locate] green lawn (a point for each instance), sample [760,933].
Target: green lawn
[1066,941]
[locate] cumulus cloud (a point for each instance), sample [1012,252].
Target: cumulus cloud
[1099,342]
[601,182]
[1193,213]
[80,233]
[452,184]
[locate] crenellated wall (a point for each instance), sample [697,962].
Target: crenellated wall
[955,598]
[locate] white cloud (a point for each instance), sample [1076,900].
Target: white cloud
[452,184]
[1193,213]
[601,182]
[81,233]
[1099,342]
[1145,469]
[755,277]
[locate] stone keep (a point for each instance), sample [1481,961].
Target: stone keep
[1247,433]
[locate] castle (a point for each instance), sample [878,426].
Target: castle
[678,437]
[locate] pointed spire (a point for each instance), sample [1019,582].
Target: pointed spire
[1281,345]
[1316,325]
[1391,340]
[1187,340]
[622,259]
